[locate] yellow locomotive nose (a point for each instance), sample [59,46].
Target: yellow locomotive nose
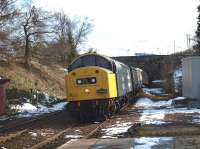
[89,85]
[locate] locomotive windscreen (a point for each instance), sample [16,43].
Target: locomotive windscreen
[90,60]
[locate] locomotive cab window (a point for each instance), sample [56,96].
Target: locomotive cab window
[102,62]
[76,64]
[88,60]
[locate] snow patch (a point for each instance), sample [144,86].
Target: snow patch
[156,122]
[196,119]
[59,106]
[148,103]
[155,116]
[177,77]
[3,118]
[149,142]
[178,73]
[108,137]
[27,107]
[33,134]
[116,130]
[73,136]
[179,98]
[153,90]
[29,110]
[96,122]
[158,81]
[153,112]
[158,116]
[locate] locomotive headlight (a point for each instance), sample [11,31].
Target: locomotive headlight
[93,80]
[79,81]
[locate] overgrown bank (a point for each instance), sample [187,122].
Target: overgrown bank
[45,79]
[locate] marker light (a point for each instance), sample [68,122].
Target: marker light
[87,90]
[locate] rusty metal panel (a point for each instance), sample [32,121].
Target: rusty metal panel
[191,77]
[3,85]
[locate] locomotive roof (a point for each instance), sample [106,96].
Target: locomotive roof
[105,57]
[108,71]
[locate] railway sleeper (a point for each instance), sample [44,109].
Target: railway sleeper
[12,136]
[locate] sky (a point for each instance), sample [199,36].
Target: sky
[126,27]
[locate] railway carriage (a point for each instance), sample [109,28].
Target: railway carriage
[97,86]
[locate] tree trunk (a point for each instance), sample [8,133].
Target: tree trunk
[27,49]
[27,55]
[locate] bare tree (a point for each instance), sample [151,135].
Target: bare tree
[34,27]
[197,37]
[7,12]
[71,33]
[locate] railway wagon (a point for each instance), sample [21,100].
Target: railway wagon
[145,79]
[136,79]
[97,86]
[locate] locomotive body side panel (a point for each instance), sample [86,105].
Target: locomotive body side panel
[123,76]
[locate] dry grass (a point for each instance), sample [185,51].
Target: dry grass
[48,79]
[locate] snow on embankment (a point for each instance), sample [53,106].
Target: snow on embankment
[29,110]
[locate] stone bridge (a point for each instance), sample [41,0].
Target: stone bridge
[156,66]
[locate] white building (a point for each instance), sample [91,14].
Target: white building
[191,77]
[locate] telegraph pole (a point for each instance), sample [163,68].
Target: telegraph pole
[174,47]
[127,52]
[188,41]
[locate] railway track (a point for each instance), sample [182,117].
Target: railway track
[51,141]
[18,140]
[60,138]
[23,139]
[4,139]
[20,124]
[30,138]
